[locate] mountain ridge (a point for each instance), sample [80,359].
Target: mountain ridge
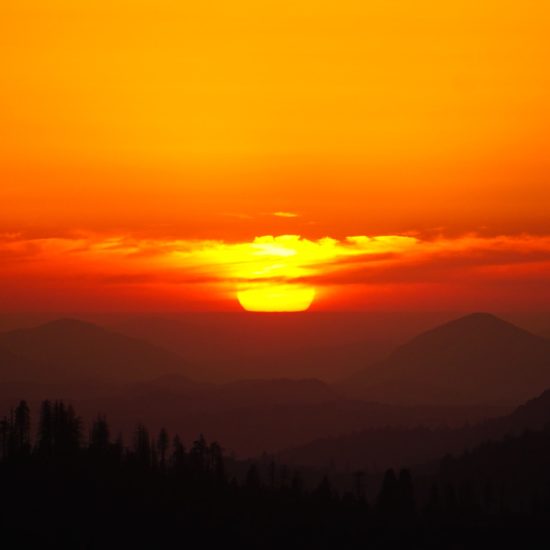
[403,446]
[71,349]
[478,358]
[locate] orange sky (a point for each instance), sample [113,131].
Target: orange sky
[168,122]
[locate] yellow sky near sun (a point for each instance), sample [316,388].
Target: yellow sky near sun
[180,113]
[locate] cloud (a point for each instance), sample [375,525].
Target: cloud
[285,257]
[283,214]
[335,264]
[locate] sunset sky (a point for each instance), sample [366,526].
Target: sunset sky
[378,154]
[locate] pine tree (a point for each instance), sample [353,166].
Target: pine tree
[217,465]
[100,436]
[142,445]
[22,429]
[45,429]
[406,495]
[198,454]
[388,498]
[178,453]
[162,445]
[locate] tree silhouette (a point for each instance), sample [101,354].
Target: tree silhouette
[252,480]
[178,453]
[198,455]
[142,446]
[163,442]
[22,429]
[406,495]
[358,478]
[323,492]
[297,484]
[4,437]
[100,436]
[65,429]
[387,504]
[66,493]
[45,429]
[217,466]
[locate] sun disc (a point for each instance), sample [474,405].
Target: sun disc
[276,297]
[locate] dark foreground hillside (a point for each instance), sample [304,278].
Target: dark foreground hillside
[59,492]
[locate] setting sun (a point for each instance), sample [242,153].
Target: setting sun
[276,297]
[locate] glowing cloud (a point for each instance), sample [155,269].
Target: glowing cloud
[268,274]
[274,273]
[285,214]
[268,271]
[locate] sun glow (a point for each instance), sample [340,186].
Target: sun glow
[274,273]
[276,297]
[271,273]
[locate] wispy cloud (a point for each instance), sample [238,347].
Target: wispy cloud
[283,214]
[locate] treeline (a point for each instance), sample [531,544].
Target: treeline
[67,489]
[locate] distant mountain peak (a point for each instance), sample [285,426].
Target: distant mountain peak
[479,317]
[475,359]
[474,326]
[478,320]
[75,349]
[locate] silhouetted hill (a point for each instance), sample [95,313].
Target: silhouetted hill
[229,346]
[233,396]
[475,359]
[279,391]
[506,475]
[250,417]
[511,473]
[262,416]
[533,415]
[68,350]
[224,347]
[13,364]
[127,378]
[395,446]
